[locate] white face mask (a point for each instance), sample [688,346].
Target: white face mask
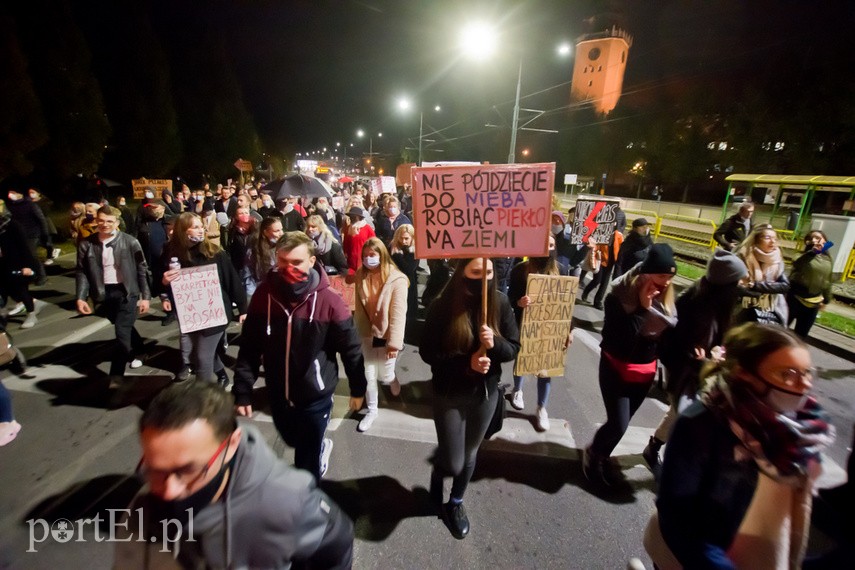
[556,229]
[393,211]
[314,233]
[289,208]
[371,262]
[784,402]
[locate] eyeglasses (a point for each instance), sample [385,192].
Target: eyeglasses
[794,378]
[188,475]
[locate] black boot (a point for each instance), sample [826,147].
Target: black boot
[456,519]
[435,492]
[651,455]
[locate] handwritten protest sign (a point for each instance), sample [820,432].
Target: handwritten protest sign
[383,185]
[156,185]
[346,290]
[497,210]
[199,299]
[595,218]
[337,203]
[546,325]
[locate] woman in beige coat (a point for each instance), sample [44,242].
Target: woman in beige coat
[381,315]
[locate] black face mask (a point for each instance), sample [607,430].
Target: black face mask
[182,509]
[543,261]
[473,286]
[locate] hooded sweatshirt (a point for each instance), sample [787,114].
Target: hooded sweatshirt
[269,516]
[298,341]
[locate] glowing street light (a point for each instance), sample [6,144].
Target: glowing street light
[478,40]
[404,104]
[564,49]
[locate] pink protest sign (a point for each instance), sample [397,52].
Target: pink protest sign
[347,291]
[491,210]
[199,299]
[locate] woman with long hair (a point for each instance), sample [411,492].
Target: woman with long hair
[191,248]
[520,300]
[810,282]
[327,248]
[403,252]
[358,232]
[262,255]
[737,477]
[706,311]
[380,317]
[466,359]
[638,310]
[766,284]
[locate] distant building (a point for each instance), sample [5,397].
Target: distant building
[599,68]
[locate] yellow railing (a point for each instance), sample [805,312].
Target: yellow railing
[698,231]
[648,215]
[849,272]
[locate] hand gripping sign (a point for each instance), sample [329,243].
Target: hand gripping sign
[492,210]
[199,299]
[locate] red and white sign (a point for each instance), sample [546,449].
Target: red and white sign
[494,210]
[243,165]
[383,185]
[199,299]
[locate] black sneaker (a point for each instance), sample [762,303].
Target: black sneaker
[184,374]
[223,380]
[651,456]
[456,520]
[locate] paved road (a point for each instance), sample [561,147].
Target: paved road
[527,502]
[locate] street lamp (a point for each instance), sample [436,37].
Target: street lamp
[478,42]
[360,133]
[404,104]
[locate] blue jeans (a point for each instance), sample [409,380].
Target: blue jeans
[543,387]
[5,405]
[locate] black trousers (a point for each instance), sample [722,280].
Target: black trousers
[622,400]
[303,428]
[805,317]
[17,287]
[121,309]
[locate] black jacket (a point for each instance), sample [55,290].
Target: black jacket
[299,358]
[452,374]
[14,252]
[732,231]
[633,250]
[129,258]
[385,229]
[31,218]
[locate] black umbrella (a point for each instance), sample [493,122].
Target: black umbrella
[298,185]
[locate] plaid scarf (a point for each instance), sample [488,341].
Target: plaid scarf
[786,448]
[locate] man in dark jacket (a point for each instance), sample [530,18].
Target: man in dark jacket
[217,496]
[634,248]
[32,219]
[734,229]
[296,305]
[111,268]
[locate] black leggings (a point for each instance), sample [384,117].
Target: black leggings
[17,287]
[621,400]
[461,423]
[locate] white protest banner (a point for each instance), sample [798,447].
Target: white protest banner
[546,325]
[383,185]
[492,210]
[347,291]
[596,218]
[199,299]
[337,203]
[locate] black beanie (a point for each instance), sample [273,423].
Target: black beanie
[725,268]
[660,259]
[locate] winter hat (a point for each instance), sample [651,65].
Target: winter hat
[660,259]
[638,222]
[725,268]
[357,211]
[560,216]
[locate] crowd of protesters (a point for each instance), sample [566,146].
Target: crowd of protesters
[737,378]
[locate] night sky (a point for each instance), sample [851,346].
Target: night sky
[313,72]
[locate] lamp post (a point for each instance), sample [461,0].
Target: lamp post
[404,105]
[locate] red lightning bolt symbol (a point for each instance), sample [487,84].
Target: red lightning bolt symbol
[590,224]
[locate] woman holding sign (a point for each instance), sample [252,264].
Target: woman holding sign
[380,317]
[465,356]
[190,246]
[638,310]
[520,299]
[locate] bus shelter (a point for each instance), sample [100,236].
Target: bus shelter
[805,185]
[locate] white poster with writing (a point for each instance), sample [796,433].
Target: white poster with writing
[199,299]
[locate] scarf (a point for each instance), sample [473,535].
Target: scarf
[323,243]
[355,227]
[765,266]
[787,450]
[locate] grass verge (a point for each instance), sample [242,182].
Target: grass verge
[837,323]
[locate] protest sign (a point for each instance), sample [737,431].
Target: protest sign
[199,299]
[495,210]
[595,218]
[347,291]
[156,185]
[546,325]
[337,203]
[383,185]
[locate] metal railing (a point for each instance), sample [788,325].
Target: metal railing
[697,231]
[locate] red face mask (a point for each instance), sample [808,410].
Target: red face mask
[244,218]
[294,274]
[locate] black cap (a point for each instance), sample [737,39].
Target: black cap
[638,222]
[660,259]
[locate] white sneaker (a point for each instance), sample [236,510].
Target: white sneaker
[135,363]
[38,305]
[367,421]
[56,253]
[541,419]
[517,400]
[8,431]
[635,564]
[326,450]
[395,387]
[30,321]
[49,261]
[16,310]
